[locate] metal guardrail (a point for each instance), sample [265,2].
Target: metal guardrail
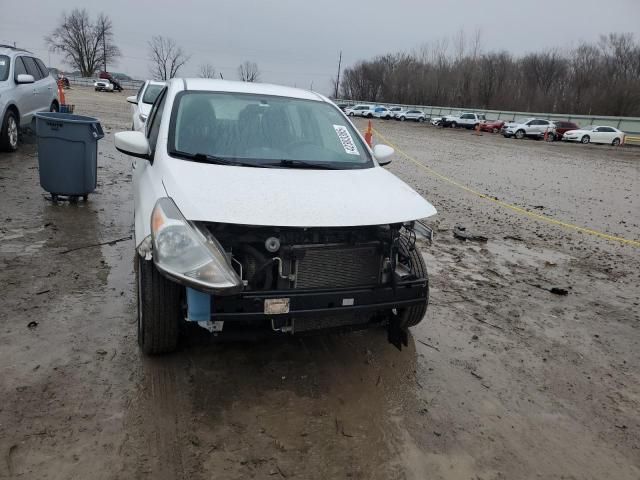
[88,82]
[629,125]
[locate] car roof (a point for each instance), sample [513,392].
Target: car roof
[213,85]
[156,82]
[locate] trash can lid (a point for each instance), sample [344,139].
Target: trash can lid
[66,117]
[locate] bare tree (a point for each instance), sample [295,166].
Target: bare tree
[248,72]
[207,71]
[166,57]
[598,79]
[85,45]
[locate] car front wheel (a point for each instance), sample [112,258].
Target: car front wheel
[159,308]
[415,313]
[585,139]
[520,134]
[9,132]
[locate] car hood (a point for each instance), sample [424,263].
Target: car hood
[291,197]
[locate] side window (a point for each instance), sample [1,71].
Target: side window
[19,68]
[155,116]
[32,68]
[607,129]
[43,68]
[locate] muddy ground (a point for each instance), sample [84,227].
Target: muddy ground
[502,380]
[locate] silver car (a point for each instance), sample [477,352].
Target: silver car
[26,87]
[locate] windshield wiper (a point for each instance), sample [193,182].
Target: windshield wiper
[300,164]
[206,158]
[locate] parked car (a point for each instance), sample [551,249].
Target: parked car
[382,112]
[532,127]
[141,102]
[415,115]
[360,111]
[342,106]
[26,87]
[115,84]
[395,111]
[595,134]
[561,127]
[221,243]
[437,121]
[493,126]
[466,120]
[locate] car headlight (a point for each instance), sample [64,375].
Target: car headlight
[189,254]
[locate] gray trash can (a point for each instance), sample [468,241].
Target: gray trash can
[68,153]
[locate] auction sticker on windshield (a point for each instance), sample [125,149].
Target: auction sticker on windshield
[347,141]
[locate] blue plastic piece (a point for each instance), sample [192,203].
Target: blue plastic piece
[198,306]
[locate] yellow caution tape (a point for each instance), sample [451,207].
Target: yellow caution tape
[514,208]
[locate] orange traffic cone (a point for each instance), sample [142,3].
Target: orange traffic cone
[368,135]
[61,93]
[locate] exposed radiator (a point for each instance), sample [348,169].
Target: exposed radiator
[337,266]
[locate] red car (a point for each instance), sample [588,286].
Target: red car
[492,126]
[562,127]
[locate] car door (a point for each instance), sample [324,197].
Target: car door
[602,135]
[26,99]
[48,87]
[40,98]
[144,178]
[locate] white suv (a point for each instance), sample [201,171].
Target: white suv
[531,127]
[26,87]
[360,111]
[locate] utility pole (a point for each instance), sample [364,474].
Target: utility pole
[335,93]
[104,48]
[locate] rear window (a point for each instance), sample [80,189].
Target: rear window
[4,67]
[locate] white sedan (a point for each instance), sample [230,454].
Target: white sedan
[595,134]
[262,207]
[141,103]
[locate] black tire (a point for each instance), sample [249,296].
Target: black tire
[494,130]
[420,120]
[54,107]
[159,308]
[415,313]
[9,132]
[616,142]
[403,118]
[586,139]
[551,137]
[454,125]
[520,134]
[351,114]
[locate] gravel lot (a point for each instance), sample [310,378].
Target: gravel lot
[503,379]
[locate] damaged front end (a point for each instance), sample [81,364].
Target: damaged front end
[299,280]
[292,279]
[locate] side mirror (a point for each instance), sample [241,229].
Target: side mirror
[134,144]
[24,78]
[382,154]
[132,99]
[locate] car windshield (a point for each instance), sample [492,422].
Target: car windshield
[264,131]
[4,68]
[151,93]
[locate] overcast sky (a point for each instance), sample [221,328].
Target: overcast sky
[296,42]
